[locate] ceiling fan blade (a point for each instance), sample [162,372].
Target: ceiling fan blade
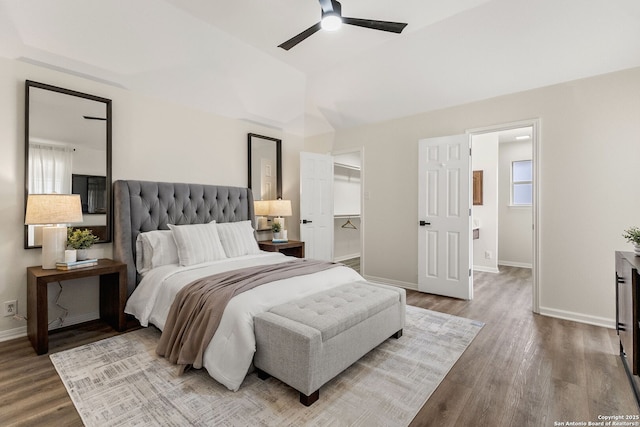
[94,118]
[392,27]
[329,5]
[300,37]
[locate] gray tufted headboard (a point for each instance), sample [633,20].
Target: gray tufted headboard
[141,206]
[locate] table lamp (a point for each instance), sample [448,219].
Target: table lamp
[279,209]
[54,211]
[262,210]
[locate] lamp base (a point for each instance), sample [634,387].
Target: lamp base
[279,220]
[263,224]
[54,242]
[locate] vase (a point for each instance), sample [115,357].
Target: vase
[277,235]
[82,254]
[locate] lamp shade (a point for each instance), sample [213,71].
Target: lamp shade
[53,209]
[280,208]
[261,207]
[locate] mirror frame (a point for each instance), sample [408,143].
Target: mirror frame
[33,84]
[278,142]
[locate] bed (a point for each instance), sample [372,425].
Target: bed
[154,280]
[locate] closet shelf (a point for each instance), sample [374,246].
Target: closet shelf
[345,166]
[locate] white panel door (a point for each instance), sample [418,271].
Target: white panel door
[316,205]
[444,201]
[267,178]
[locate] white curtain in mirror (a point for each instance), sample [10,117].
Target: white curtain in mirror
[50,169]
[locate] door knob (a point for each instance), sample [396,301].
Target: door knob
[305,221]
[423,223]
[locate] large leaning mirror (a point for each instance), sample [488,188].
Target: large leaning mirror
[68,151]
[265,167]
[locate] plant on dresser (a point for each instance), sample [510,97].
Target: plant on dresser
[632,234]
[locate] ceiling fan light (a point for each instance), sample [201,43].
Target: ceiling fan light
[331,22]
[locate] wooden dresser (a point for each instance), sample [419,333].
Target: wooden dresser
[627,318]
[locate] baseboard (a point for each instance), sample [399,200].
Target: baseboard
[21,331]
[384,281]
[346,257]
[14,333]
[486,269]
[579,317]
[515,264]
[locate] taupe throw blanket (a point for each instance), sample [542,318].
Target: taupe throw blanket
[197,309]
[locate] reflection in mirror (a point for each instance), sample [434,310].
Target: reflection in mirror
[265,167]
[265,170]
[68,150]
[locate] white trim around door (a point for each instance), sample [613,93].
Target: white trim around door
[535,124]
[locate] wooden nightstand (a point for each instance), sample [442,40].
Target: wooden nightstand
[292,247]
[113,295]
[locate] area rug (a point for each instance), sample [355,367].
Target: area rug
[120,381]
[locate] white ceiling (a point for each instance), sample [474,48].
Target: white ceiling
[222,56]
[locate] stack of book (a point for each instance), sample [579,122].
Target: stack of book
[76,264]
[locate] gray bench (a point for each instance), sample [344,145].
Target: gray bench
[307,342]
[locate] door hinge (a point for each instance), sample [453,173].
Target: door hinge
[469,211]
[469,272]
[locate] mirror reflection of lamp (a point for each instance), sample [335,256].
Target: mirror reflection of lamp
[261,208]
[279,209]
[54,211]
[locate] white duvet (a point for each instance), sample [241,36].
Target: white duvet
[230,352]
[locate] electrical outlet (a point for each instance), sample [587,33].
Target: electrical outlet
[487,254]
[10,308]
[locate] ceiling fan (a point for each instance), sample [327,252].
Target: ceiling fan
[332,19]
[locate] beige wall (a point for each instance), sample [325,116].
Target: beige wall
[589,157]
[152,140]
[515,245]
[589,162]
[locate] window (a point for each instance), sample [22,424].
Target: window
[521,183]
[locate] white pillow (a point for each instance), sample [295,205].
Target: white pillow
[197,243]
[154,249]
[238,238]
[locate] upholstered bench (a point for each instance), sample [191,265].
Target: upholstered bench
[307,342]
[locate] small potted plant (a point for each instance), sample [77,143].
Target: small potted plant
[276,227]
[632,234]
[80,240]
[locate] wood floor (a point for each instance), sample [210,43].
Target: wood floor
[521,370]
[525,369]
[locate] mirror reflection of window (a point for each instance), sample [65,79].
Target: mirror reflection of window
[50,169]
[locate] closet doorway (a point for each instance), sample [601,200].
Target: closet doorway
[348,209]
